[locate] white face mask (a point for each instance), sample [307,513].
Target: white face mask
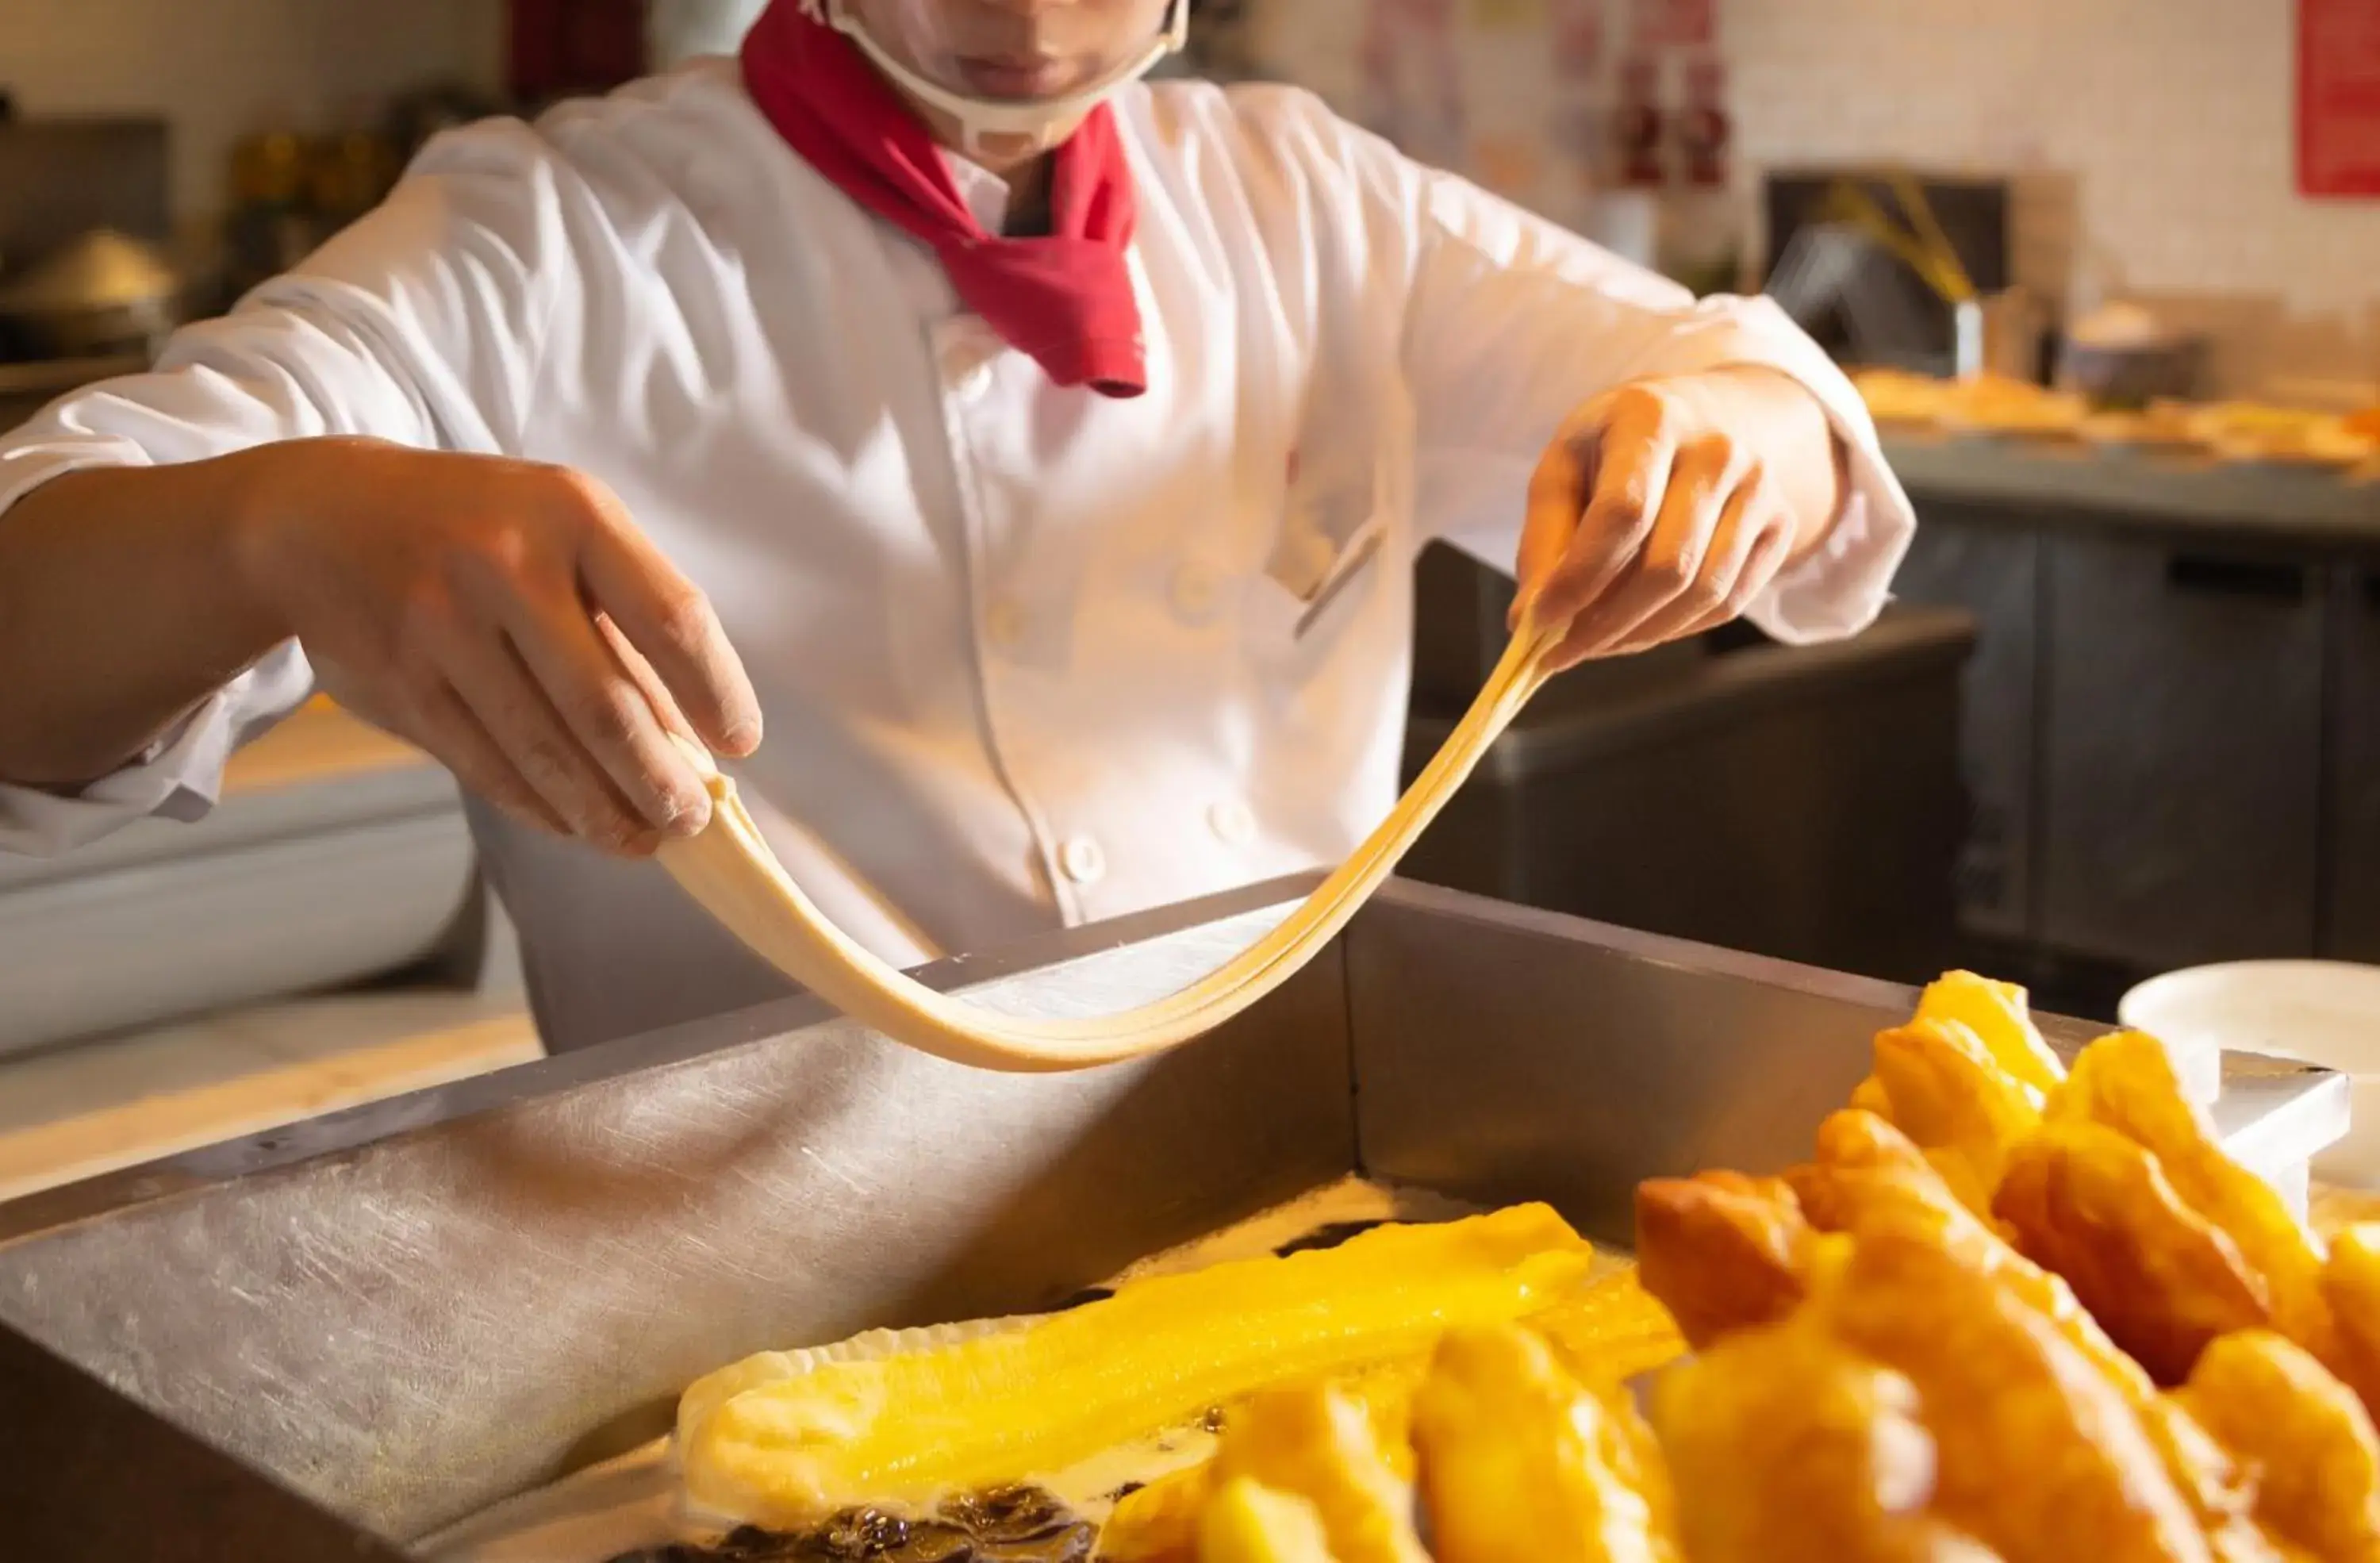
[1031,125]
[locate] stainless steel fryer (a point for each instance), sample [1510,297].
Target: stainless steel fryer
[330,1340]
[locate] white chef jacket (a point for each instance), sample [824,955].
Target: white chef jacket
[1028,656]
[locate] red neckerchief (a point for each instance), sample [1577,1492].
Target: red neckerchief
[1066,300]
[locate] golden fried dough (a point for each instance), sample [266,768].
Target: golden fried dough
[2306,1441]
[1517,1459]
[1868,1175]
[2126,1083]
[2096,1207]
[2039,1455]
[1948,1094]
[2350,1286]
[1720,1251]
[1316,1442]
[1863,1162]
[2000,1017]
[1159,1523]
[1248,1523]
[1611,1331]
[1785,1447]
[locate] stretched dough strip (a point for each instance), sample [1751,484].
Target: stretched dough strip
[730,871]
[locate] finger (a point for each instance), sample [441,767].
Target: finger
[445,727]
[657,694]
[671,623]
[690,744]
[1670,566]
[1769,556]
[604,708]
[1593,502]
[1742,516]
[488,674]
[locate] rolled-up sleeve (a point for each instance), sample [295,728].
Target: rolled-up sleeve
[417,326]
[1514,322]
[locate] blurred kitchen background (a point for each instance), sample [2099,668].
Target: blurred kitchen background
[2108,271]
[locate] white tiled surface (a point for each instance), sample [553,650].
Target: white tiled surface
[2173,119]
[2152,139]
[223,69]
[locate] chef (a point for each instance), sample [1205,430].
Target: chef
[1039,454]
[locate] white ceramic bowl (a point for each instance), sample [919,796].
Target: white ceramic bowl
[2324,1013]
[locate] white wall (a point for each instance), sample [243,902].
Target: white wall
[223,69]
[2174,121]
[2153,139]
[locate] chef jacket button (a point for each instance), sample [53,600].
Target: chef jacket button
[1233,821]
[1194,590]
[1003,625]
[968,349]
[1083,861]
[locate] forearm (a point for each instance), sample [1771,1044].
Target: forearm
[122,608]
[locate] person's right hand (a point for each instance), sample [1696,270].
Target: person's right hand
[509,618]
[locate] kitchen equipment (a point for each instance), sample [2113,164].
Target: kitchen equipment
[61,179]
[2325,1012]
[336,854]
[731,873]
[104,293]
[337,1338]
[2121,356]
[1930,251]
[1833,271]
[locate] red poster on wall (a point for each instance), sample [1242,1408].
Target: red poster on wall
[2338,97]
[1675,24]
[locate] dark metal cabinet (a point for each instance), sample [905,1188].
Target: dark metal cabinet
[1983,563]
[2352,863]
[1799,802]
[2183,753]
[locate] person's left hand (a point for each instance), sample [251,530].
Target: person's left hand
[1664,507]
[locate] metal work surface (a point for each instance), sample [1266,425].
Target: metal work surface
[408,1330]
[406,1313]
[2147,492]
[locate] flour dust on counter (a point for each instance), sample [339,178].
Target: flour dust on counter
[631,1508]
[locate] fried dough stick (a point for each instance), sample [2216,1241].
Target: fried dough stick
[1937,1082]
[1869,1174]
[2000,1017]
[1517,1458]
[2126,1083]
[2350,1286]
[2039,1456]
[2083,1201]
[1248,1523]
[2305,1438]
[1722,1252]
[1316,1442]
[1786,1448]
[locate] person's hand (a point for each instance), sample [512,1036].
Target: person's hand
[508,618]
[1664,507]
